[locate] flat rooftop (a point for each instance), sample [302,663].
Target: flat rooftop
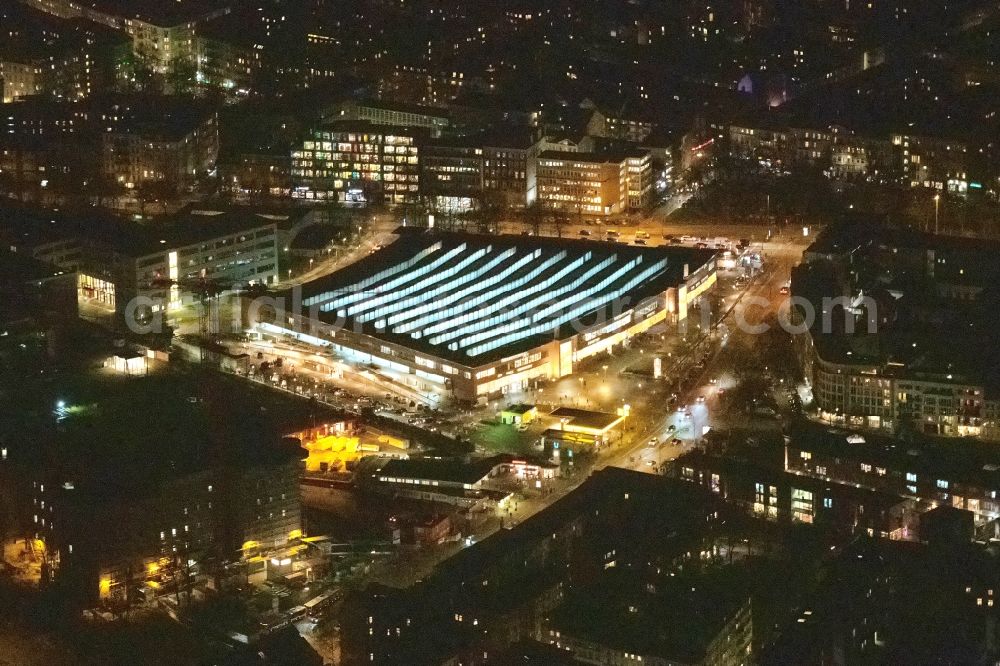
[164,14]
[126,435]
[584,418]
[431,111]
[968,461]
[858,231]
[677,622]
[475,299]
[31,227]
[610,157]
[432,469]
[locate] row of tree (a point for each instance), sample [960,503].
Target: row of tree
[488,217]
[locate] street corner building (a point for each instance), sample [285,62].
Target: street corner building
[477,316]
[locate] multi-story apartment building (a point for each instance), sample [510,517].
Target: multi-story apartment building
[966,478]
[936,162]
[920,123]
[163,525]
[176,146]
[162,33]
[891,372]
[88,60]
[505,589]
[176,151]
[19,79]
[356,162]
[65,58]
[754,480]
[229,54]
[132,141]
[841,153]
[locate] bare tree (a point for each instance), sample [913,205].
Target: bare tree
[559,221]
[490,214]
[534,216]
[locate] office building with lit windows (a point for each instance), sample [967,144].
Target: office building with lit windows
[508,160]
[357,162]
[476,316]
[581,183]
[452,174]
[593,184]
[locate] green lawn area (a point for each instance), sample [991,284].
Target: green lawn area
[502,438]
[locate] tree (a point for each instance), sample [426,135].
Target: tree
[744,359]
[181,76]
[412,211]
[103,187]
[137,74]
[559,221]
[8,183]
[534,216]
[779,352]
[155,190]
[67,186]
[490,214]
